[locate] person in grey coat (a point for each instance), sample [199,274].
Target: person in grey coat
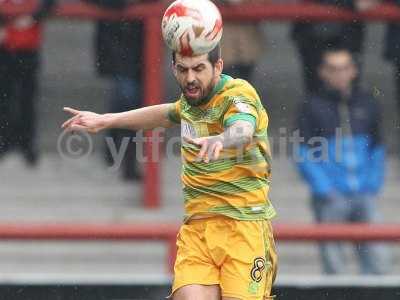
[119,57]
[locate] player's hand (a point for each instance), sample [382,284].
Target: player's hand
[210,147]
[84,120]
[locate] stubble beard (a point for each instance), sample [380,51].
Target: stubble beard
[204,94]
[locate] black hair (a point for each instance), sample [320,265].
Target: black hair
[335,48]
[213,56]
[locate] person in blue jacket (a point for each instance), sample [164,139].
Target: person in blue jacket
[341,156]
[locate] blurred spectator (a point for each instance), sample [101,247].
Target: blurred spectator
[311,38]
[20,41]
[342,158]
[119,57]
[242,44]
[392,52]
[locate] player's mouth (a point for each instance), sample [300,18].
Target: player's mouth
[192,91]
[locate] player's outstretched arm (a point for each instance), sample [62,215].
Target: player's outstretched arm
[238,135]
[143,118]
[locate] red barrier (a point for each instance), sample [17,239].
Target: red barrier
[346,232]
[164,231]
[254,12]
[95,232]
[167,232]
[151,15]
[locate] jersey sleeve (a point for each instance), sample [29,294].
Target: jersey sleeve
[174,112]
[241,108]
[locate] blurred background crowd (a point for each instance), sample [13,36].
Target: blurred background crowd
[336,80]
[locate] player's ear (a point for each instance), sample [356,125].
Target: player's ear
[218,67]
[174,70]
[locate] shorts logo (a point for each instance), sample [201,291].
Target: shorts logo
[256,275]
[258,268]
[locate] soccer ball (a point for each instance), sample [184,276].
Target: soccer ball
[192,27]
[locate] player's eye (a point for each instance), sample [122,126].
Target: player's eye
[181,69]
[199,68]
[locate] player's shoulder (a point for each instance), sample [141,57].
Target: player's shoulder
[239,88]
[237,84]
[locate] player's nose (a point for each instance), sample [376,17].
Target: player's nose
[190,76]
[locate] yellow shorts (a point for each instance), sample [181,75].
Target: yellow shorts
[239,256]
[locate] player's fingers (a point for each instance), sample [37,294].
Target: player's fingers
[69,129]
[69,122]
[77,127]
[73,121]
[217,151]
[209,154]
[71,110]
[211,151]
[203,151]
[191,141]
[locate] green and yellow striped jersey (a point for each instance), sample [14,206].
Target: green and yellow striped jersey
[237,184]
